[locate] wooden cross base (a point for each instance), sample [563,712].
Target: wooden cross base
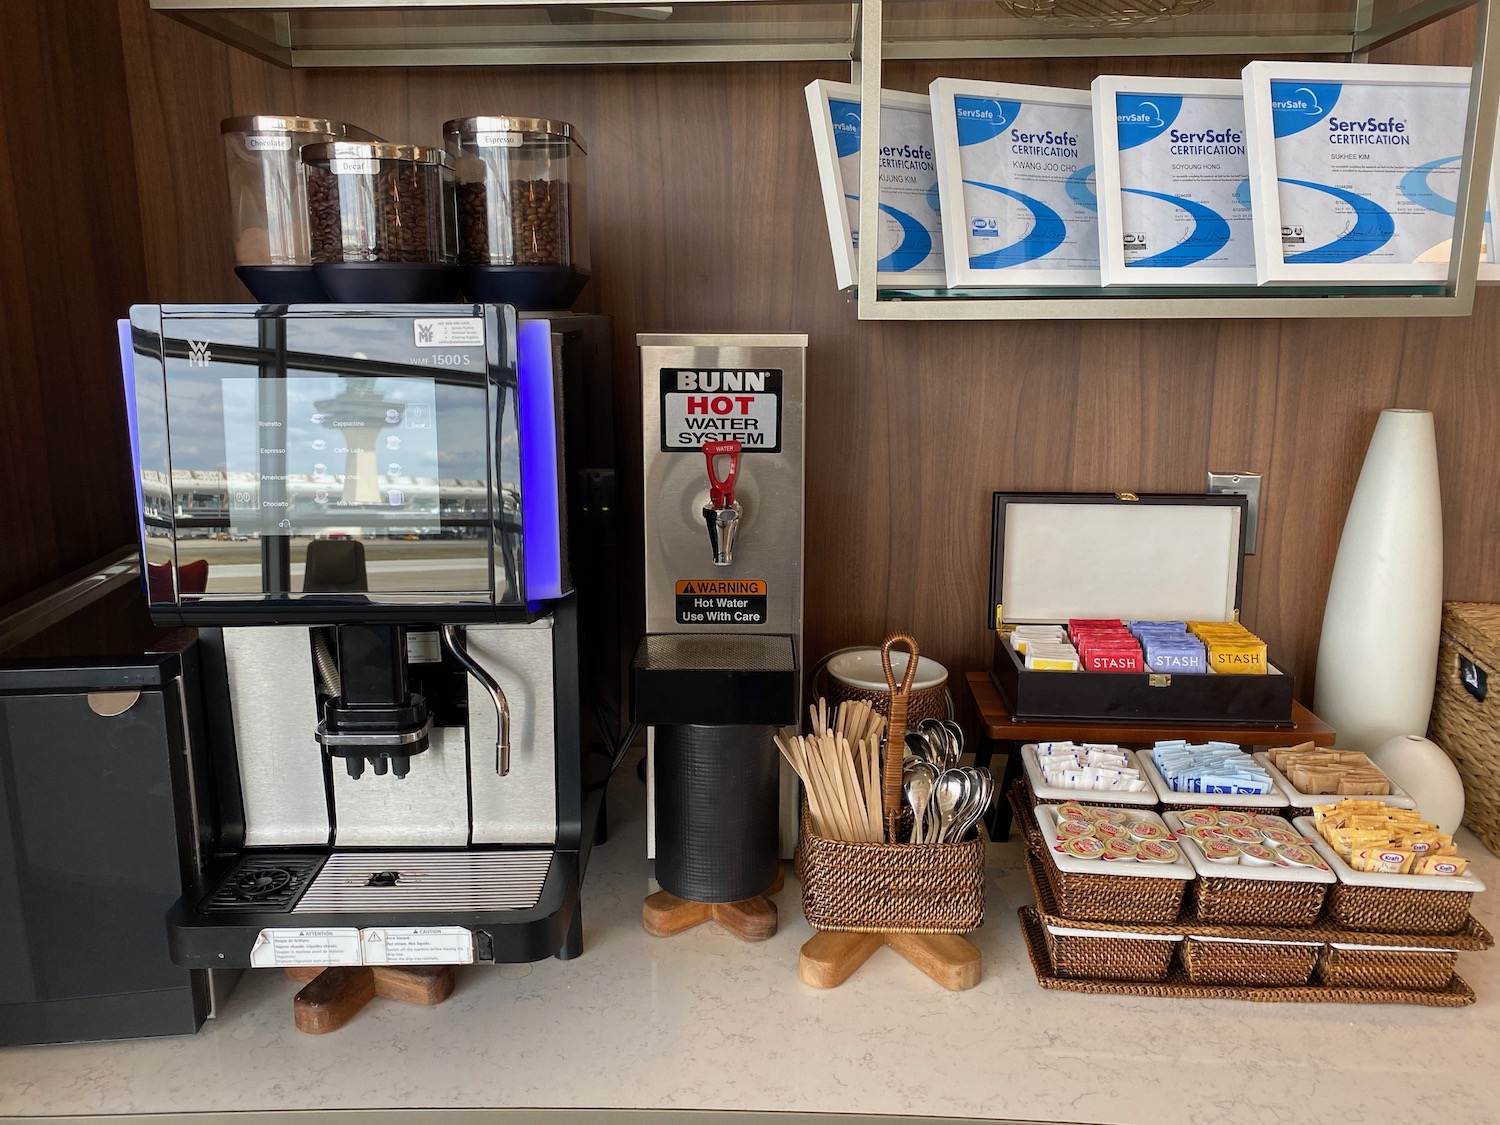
[829,958]
[331,997]
[751,919]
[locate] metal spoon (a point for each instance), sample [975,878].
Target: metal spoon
[919,749]
[980,791]
[951,793]
[917,780]
[957,733]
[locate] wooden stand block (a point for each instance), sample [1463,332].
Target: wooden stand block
[332,996]
[829,958]
[752,919]
[329,1000]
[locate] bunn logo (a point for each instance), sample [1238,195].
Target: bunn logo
[198,353]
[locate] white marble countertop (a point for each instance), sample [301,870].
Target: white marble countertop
[703,1021]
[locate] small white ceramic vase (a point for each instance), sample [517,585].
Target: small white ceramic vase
[1377,656]
[1420,767]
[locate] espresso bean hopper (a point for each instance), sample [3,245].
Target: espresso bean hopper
[717,671]
[522,209]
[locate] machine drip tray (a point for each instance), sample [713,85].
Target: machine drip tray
[520,903]
[365,881]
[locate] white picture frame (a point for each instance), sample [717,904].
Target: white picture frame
[1046,235]
[1382,245]
[1189,184]
[905,124]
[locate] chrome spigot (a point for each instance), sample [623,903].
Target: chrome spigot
[722,513]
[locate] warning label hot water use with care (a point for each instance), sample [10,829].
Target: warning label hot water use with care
[721,601]
[743,404]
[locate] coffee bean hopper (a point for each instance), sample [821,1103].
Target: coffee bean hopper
[717,671]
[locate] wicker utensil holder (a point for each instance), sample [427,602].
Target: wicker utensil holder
[1248,962]
[1463,724]
[892,887]
[1386,968]
[925,703]
[1397,910]
[1255,902]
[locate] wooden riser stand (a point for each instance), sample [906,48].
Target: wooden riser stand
[752,919]
[830,957]
[331,997]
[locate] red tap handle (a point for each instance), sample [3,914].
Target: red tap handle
[721,492]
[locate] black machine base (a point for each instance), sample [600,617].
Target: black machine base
[282,285]
[528,288]
[388,282]
[218,924]
[715,679]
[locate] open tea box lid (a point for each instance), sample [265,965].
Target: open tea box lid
[1166,557]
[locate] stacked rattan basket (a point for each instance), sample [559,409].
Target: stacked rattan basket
[1241,938]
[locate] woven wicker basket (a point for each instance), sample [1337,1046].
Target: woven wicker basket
[1102,956]
[1248,962]
[1463,724]
[1397,910]
[1385,968]
[925,703]
[1112,898]
[891,888]
[1255,902]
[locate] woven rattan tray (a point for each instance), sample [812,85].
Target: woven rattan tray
[1176,986]
[1471,938]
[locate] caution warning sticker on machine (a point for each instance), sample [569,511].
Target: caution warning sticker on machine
[418,945]
[721,601]
[716,405]
[275,949]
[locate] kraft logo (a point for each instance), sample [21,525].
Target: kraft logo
[1302,100]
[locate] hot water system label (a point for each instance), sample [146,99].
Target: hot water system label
[743,404]
[721,601]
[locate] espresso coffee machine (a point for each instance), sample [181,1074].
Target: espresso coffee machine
[365,513]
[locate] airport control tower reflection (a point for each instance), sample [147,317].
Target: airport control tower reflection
[362,415]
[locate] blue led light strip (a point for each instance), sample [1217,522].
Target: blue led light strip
[541,494]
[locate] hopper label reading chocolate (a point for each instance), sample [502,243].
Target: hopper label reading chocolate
[721,601]
[702,405]
[268,144]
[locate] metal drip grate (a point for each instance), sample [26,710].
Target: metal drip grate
[357,882]
[269,884]
[1101,14]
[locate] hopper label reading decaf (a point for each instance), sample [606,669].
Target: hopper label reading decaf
[721,601]
[720,404]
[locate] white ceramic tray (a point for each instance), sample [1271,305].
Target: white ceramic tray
[1210,870]
[1397,798]
[1066,931]
[1046,818]
[1249,941]
[1275,799]
[1145,799]
[1347,874]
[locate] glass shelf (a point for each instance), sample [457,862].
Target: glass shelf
[319,33]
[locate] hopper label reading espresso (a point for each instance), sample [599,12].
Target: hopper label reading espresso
[743,404]
[721,601]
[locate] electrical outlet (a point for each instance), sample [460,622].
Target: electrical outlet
[1240,484]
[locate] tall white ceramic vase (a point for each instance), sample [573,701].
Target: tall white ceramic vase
[1377,657]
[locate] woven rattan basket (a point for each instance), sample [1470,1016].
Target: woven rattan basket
[1386,968]
[1248,962]
[1466,710]
[1111,898]
[923,703]
[891,888]
[1105,956]
[1255,902]
[1398,910]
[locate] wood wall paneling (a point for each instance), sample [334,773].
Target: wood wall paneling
[706,216]
[70,224]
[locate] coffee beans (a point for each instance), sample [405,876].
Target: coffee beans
[535,233]
[392,214]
